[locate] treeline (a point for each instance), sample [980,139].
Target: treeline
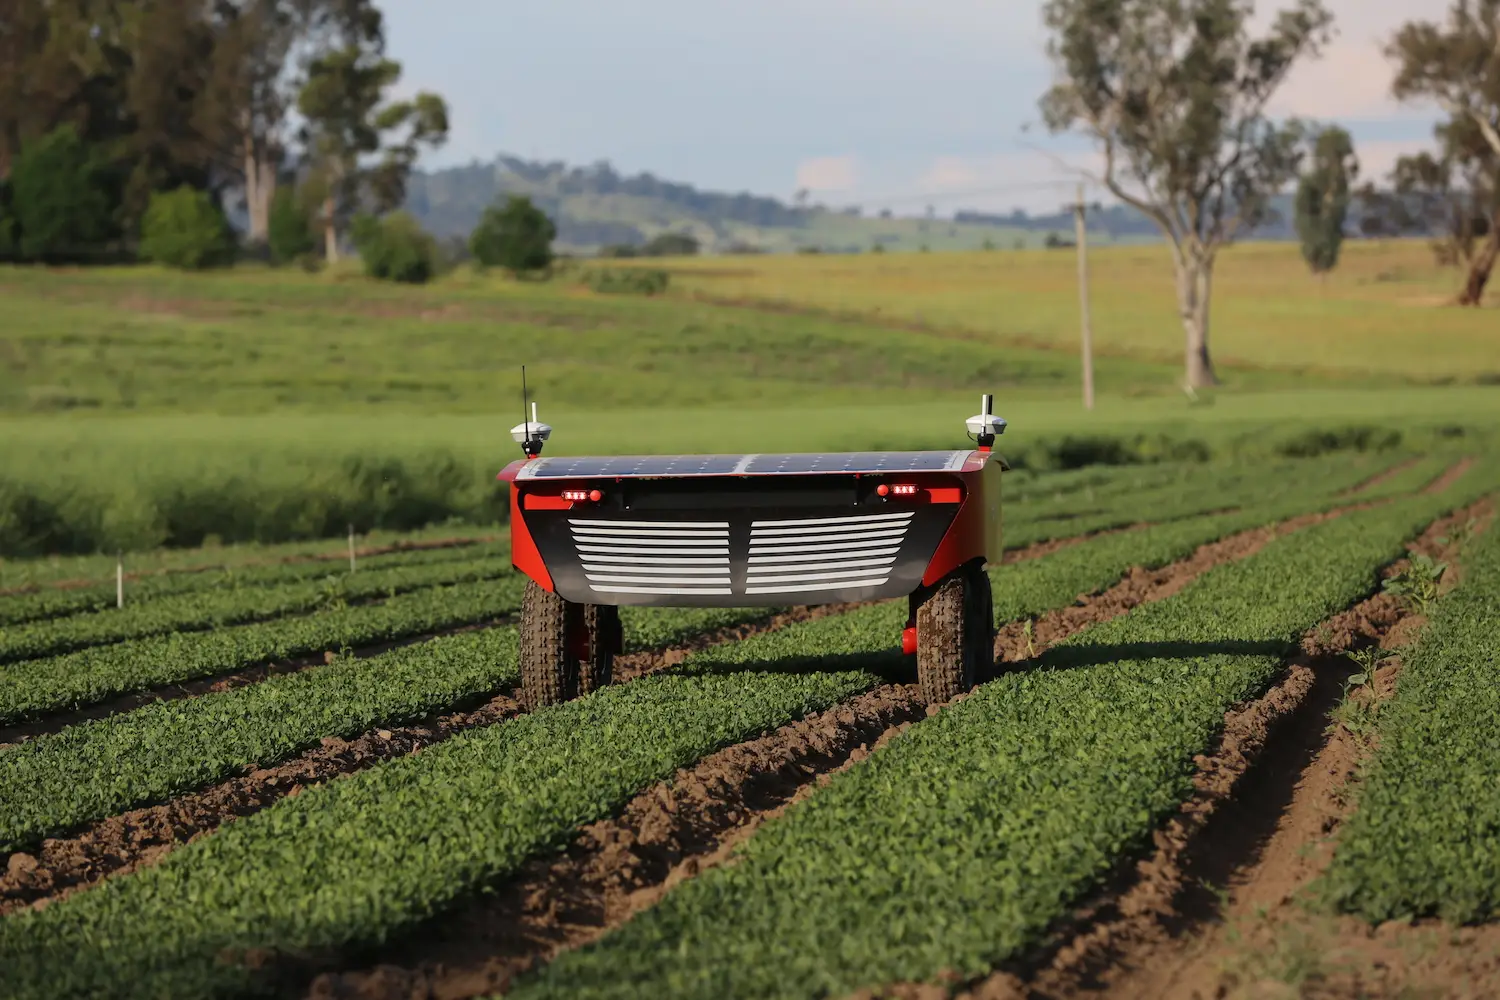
[130,129]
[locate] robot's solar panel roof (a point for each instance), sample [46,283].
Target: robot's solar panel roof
[675,466]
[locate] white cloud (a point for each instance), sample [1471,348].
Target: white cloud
[1352,79]
[828,173]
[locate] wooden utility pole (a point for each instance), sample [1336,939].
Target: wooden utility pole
[1083,300]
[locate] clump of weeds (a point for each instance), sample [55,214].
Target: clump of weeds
[1417,584]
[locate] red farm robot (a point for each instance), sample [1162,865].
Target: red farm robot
[593,534]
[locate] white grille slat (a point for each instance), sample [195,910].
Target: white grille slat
[722,569]
[676,591]
[683,580]
[828,575]
[868,555]
[701,525]
[798,588]
[647,551]
[835,546]
[856,519]
[830,529]
[600,557]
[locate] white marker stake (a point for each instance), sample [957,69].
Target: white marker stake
[120,580]
[351,548]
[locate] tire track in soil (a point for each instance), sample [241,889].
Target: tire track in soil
[1216,910]
[669,833]
[140,837]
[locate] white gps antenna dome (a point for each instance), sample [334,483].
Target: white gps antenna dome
[984,425]
[531,434]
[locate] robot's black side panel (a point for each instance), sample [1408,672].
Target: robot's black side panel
[748,542]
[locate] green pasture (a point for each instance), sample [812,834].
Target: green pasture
[141,408]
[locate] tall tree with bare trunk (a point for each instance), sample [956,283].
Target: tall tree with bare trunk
[1174,93]
[343,103]
[1457,65]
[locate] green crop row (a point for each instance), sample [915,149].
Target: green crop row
[1423,472]
[1257,487]
[622,726]
[220,608]
[96,769]
[58,781]
[32,687]
[53,602]
[955,846]
[356,859]
[1425,835]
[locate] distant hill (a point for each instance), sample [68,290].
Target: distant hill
[595,206]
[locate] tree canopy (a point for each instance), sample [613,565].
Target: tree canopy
[1175,94]
[166,93]
[1323,196]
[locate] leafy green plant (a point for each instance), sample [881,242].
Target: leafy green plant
[516,235]
[290,237]
[1418,582]
[628,281]
[395,247]
[186,229]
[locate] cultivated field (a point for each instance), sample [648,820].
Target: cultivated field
[282,777]
[1239,740]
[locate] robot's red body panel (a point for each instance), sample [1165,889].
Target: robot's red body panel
[749,530]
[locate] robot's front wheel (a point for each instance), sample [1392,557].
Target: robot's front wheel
[955,633]
[567,649]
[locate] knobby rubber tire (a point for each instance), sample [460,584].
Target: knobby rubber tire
[602,623]
[955,635]
[549,672]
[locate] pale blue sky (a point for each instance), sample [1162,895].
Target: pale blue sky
[870,102]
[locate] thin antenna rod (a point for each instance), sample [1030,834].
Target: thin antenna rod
[524,399]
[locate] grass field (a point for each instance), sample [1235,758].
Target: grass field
[1382,312]
[142,407]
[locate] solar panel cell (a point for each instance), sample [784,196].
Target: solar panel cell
[681,466]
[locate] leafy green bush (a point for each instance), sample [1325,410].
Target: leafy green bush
[516,236]
[186,229]
[395,247]
[1363,437]
[291,234]
[626,281]
[64,205]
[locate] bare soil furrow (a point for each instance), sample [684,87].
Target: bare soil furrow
[617,867]
[54,722]
[692,822]
[1381,477]
[1215,910]
[1450,477]
[143,836]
